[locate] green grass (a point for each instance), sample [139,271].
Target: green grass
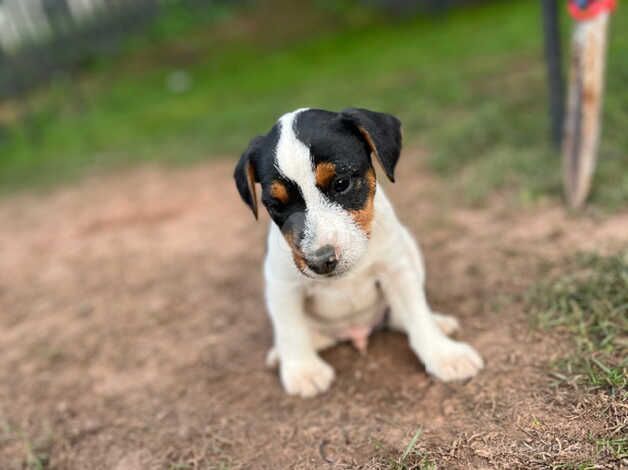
[469,87]
[591,302]
[616,447]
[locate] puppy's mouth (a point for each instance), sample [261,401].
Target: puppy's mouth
[307,272]
[332,275]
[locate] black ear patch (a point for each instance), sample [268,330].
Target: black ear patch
[245,175]
[382,133]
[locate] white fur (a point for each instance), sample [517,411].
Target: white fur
[309,314]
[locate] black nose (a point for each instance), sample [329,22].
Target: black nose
[324,260]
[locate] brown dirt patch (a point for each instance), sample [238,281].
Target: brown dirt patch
[133,335]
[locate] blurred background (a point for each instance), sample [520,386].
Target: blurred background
[87,85]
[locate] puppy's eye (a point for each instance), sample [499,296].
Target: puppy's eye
[342,185]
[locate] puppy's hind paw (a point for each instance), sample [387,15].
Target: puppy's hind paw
[306,378]
[452,360]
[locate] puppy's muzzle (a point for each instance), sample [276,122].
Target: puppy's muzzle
[323,261]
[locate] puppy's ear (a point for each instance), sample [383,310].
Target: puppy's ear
[245,175]
[382,133]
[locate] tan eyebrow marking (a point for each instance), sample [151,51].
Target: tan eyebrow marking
[325,172]
[278,191]
[363,217]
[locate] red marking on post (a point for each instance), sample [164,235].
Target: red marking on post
[592,10]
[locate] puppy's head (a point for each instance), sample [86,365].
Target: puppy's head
[318,183]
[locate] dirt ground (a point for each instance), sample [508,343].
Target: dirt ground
[133,336]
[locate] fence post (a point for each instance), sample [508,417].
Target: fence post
[553,59]
[584,101]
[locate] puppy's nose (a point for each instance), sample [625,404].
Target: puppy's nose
[324,260]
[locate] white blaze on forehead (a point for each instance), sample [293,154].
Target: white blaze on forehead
[293,158]
[326,222]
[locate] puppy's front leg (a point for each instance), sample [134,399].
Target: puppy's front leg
[301,370]
[403,286]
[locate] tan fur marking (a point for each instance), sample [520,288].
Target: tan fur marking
[325,172]
[278,191]
[364,217]
[250,174]
[369,140]
[299,260]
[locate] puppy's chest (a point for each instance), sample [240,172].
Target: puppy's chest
[342,303]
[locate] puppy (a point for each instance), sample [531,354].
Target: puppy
[339,262]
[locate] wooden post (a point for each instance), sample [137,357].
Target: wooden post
[584,103]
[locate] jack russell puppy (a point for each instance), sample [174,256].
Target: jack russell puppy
[339,262]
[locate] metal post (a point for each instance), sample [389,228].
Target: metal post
[551,28]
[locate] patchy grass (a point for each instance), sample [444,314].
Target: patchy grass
[33,447]
[37,455]
[413,458]
[617,448]
[591,302]
[469,86]
[606,450]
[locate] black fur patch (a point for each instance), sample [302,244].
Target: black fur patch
[382,132]
[331,139]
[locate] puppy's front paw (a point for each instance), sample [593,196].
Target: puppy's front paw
[306,378]
[451,360]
